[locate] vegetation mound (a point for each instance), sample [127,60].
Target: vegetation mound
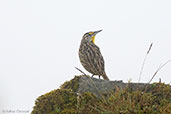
[155,99]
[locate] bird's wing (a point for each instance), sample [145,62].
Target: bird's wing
[98,60]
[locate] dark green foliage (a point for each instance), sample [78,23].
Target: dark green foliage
[60,101]
[72,84]
[156,99]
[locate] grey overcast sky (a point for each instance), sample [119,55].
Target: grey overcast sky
[39,42]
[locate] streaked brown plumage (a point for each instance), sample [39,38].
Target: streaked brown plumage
[90,55]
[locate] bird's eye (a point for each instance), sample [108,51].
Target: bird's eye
[87,34]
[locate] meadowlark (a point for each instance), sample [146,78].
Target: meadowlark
[90,55]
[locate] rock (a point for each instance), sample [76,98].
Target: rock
[100,86]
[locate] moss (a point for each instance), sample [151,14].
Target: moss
[156,100]
[161,90]
[60,101]
[87,102]
[72,84]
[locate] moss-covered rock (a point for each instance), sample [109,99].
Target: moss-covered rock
[60,101]
[72,84]
[155,99]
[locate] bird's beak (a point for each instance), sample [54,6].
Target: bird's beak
[97,32]
[94,34]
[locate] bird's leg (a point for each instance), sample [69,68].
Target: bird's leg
[99,76]
[92,75]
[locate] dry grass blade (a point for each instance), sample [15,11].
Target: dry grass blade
[160,67]
[80,70]
[144,61]
[168,106]
[150,48]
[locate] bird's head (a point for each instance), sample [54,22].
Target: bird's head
[90,36]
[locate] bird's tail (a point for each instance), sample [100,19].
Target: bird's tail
[105,77]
